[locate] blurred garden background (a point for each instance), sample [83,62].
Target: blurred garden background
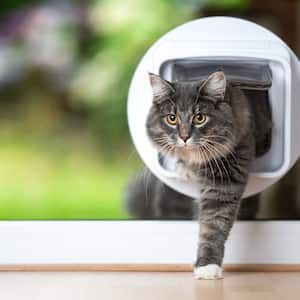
[65,69]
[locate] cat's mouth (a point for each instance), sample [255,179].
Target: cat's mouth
[184,143]
[189,152]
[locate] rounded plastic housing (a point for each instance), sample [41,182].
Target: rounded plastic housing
[254,59]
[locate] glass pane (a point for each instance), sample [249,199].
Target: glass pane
[65,69]
[247,73]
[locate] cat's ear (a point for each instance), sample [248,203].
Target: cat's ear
[214,86]
[160,87]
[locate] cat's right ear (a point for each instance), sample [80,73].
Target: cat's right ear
[161,88]
[214,85]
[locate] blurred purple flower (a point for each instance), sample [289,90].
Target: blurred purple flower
[43,36]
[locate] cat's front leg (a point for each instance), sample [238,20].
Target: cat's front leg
[217,212]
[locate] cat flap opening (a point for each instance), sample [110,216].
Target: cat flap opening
[254,77]
[247,73]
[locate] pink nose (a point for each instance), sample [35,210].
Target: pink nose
[185,138]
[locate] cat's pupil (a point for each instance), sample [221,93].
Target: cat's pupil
[172,118]
[199,117]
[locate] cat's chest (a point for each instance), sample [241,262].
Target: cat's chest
[189,172]
[192,173]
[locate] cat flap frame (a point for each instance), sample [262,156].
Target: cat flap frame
[199,40]
[117,245]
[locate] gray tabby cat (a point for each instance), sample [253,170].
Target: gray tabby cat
[212,130]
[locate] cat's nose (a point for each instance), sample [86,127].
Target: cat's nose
[185,138]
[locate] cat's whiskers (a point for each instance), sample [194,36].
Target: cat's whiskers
[221,153]
[224,167]
[164,143]
[210,166]
[205,162]
[166,149]
[229,142]
[207,153]
[214,160]
[199,152]
[146,175]
[214,149]
[224,146]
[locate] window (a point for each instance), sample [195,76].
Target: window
[65,150]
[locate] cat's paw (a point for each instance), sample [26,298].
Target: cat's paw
[211,271]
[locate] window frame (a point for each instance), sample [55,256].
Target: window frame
[140,242]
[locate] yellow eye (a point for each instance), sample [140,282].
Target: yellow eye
[172,119]
[199,119]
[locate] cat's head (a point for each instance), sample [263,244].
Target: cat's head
[192,120]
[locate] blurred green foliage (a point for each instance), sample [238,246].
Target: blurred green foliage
[65,151]
[122,32]
[234,5]
[12,5]
[39,182]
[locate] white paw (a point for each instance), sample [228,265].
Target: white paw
[211,271]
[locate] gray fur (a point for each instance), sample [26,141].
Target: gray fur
[147,197]
[217,154]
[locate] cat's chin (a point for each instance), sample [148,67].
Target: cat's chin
[184,151]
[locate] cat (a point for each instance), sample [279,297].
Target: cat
[214,132]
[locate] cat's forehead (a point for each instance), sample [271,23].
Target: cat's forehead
[186,96]
[185,93]
[186,88]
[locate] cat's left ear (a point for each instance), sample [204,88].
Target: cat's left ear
[214,86]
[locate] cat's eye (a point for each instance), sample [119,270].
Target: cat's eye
[172,119]
[199,119]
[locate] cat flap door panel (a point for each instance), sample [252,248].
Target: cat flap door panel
[247,74]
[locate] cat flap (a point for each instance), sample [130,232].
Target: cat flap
[254,76]
[247,74]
